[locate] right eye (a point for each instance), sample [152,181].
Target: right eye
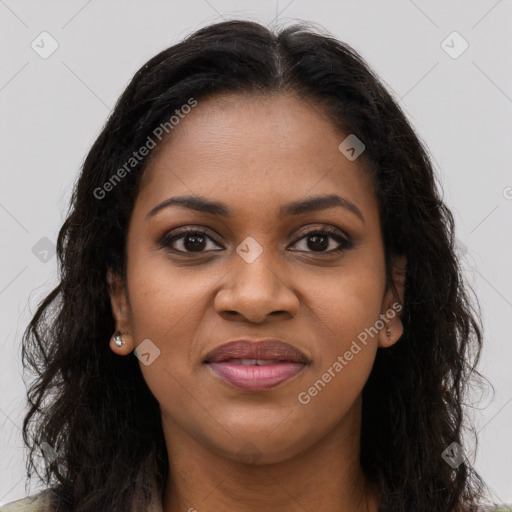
[189,241]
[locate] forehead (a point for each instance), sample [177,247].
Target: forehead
[249,123]
[253,147]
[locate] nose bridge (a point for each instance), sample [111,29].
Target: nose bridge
[255,288]
[260,275]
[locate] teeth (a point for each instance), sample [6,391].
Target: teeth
[247,362]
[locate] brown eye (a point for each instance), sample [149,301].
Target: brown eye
[188,241]
[324,241]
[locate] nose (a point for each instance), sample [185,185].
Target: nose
[255,292]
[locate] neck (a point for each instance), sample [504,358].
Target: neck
[326,476]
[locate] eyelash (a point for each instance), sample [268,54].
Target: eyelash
[345,243]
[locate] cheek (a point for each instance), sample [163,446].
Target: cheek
[344,362]
[162,297]
[167,305]
[346,311]
[345,304]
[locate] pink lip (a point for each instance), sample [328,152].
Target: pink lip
[286,362]
[255,377]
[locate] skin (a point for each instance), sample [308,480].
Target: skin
[254,154]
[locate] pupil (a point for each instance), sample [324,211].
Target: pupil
[198,242]
[317,242]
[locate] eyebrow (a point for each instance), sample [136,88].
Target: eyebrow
[311,204]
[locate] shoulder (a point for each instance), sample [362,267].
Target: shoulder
[39,502]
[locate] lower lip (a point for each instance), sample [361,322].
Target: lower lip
[256,377]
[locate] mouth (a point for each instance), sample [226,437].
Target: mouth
[256,366]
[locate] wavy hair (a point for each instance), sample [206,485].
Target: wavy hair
[94,407]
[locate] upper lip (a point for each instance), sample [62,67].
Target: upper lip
[270,349]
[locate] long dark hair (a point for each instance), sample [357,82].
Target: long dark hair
[94,407]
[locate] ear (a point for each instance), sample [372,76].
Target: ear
[121,314]
[393,303]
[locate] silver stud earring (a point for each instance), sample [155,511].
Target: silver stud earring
[117,340]
[388,332]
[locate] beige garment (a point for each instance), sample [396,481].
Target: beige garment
[148,497]
[40,503]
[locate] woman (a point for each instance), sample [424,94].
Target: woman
[260,305]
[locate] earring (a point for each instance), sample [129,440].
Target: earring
[117,340]
[388,332]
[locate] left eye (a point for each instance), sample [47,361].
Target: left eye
[321,241]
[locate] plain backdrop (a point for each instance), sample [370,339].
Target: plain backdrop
[52,109]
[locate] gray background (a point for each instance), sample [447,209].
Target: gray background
[52,110]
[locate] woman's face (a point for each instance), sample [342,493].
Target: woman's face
[252,273]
